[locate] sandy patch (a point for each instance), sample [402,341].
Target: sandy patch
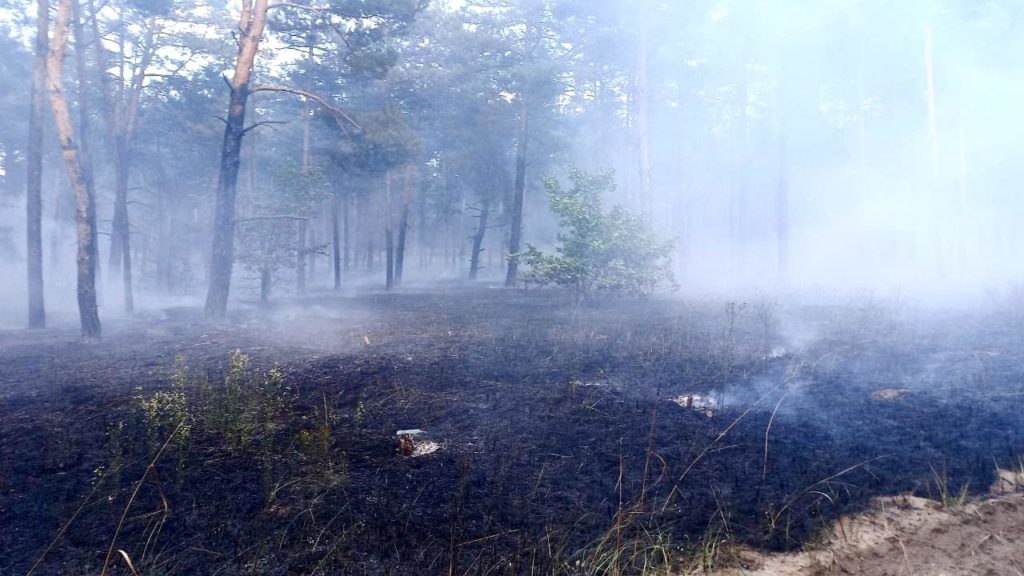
[907,536]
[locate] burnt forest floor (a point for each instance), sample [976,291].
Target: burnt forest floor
[626,436]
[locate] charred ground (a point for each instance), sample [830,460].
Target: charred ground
[559,440]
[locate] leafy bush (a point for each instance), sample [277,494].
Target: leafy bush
[611,252]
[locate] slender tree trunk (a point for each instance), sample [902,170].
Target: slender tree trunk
[389,237]
[34,194]
[403,228]
[300,260]
[265,285]
[516,234]
[112,113]
[782,215]
[459,251]
[935,199]
[120,250]
[120,110]
[933,130]
[738,200]
[346,232]
[960,202]
[478,237]
[169,220]
[84,129]
[85,210]
[403,225]
[163,251]
[250,29]
[311,250]
[643,122]
[307,162]
[336,239]
[421,228]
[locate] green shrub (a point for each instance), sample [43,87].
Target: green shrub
[611,252]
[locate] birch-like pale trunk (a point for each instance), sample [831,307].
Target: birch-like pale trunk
[85,210]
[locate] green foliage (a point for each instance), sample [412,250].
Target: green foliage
[611,252]
[164,413]
[384,142]
[167,411]
[315,445]
[238,414]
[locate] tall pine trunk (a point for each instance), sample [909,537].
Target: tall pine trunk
[389,236]
[34,193]
[300,259]
[643,122]
[348,253]
[478,237]
[120,243]
[336,239]
[403,225]
[516,234]
[782,215]
[85,210]
[84,129]
[250,29]
[119,113]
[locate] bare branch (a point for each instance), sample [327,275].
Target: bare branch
[264,123]
[267,218]
[338,113]
[341,34]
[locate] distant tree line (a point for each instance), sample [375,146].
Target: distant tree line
[324,142]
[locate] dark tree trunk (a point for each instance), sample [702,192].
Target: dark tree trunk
[478,237]
[120,121]
[516,234]
[336,239]
[421,241]
[459,249]
[403,227]
[643,122]
[346,233]
[312,251]
[300,260]
[782,215]
[738,202]
[120,237]
[223,254]
[403,224]
[265,281]
[166,216]
[389,236]
[84,116]
[85,210]
[34,194]
[251,22]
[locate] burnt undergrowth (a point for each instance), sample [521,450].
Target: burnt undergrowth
[643,436]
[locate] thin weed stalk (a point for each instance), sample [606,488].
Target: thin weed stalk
[138,485]
[764,471]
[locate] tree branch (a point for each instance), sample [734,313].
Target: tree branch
[338,113]
[264,123]
[266,218]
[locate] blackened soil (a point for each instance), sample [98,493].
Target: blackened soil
[555,428]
